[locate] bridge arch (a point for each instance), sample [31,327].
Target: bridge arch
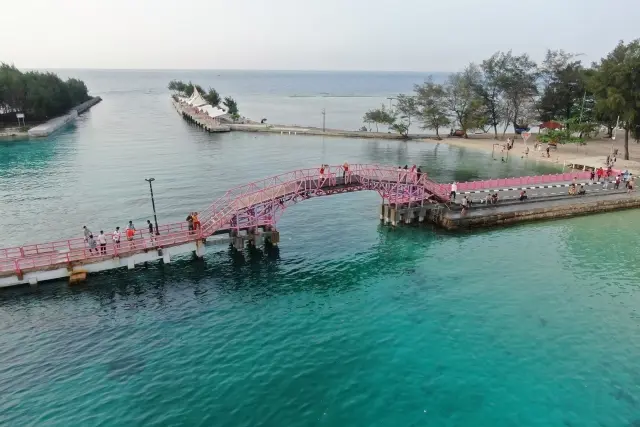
[261,203]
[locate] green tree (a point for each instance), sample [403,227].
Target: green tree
[188,89]
[490,87]
[212,97]
[231,104]
[616,86]
[564,86]
[405,110]
[431,105]
[462,99]
[178,86]
[519,83]
[77,91]
[379,116]
[39,95]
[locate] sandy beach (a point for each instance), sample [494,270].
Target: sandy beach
[593,154]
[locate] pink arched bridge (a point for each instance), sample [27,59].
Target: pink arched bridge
[259,204]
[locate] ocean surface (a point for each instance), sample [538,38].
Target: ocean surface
[348,324]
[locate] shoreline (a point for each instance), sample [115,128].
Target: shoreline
[48,127]
[592,155]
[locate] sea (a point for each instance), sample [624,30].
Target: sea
[347,323]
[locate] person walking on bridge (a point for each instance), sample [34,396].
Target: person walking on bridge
[190,222]
[87,233]
[345,172]
[130,234]
[116,237]
[454,190]
[196,221]
[92,244]
[102,239]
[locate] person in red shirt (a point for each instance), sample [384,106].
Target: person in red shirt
[130,233]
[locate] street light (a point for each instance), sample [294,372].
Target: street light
[153,203]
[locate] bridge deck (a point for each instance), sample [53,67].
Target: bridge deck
[256,204]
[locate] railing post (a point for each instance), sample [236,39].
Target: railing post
[16,265]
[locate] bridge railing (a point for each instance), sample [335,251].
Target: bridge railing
[79,243]
[220,211]
[112,249]
[521,181]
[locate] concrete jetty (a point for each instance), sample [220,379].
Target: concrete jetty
[300,130]
[191,115]
[58,123]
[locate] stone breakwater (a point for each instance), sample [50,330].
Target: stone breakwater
[58,123]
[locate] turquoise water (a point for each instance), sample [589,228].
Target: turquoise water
[348,324]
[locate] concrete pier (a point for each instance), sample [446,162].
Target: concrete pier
[207,124]
[77,271]
[451,217]
[58,123]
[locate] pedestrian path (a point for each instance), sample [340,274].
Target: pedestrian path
[535,187]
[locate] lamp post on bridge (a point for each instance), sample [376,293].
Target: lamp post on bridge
[153,203]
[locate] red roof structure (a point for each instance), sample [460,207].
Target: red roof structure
[551,125]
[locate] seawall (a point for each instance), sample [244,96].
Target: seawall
[299,130]
[452,219]
[57,123]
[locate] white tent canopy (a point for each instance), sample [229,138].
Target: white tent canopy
[213,111]
[196,99]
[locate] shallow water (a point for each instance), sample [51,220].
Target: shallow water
[349,323]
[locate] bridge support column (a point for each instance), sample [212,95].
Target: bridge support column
[33,282]
[382,212]
[131,263]
[408,216]
[166,258]
[387,214]
[394,216]
[423,213]
[238,243]
[201,249]
[275,237]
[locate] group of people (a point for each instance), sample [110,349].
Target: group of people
[98,244]
[605,175]
[573,190]
[193,222]
[406,174]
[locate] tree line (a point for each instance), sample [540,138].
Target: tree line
[211,96]
[513,90]
[38,95]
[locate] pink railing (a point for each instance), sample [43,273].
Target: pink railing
[522,181]
[219,215]
[79,242]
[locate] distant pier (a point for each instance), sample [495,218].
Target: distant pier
[207,123]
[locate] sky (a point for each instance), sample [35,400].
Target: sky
[381,35]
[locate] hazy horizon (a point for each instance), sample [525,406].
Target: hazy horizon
[299,35]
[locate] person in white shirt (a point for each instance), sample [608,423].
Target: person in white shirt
[454,189]
[116,236]
[102,239]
